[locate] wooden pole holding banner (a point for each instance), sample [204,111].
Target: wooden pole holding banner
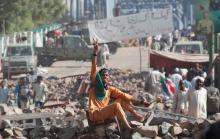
[140,58]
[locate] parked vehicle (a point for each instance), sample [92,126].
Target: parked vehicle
[71,48]
[18,56]
[190,47]
[170,60]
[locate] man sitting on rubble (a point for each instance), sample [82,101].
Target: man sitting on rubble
[100,93]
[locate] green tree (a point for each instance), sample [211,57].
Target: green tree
[21,15]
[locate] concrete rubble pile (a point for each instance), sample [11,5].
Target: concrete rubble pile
[67,97]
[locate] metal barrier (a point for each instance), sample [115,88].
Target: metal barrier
[29,120]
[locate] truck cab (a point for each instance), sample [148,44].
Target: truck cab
[18,55]
[189,47]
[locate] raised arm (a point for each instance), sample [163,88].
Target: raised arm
[94,61]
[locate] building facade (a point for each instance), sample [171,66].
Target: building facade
[83,10]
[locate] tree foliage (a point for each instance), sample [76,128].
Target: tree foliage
[21,15]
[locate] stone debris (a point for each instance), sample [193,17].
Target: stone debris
[68,98]
[164,128]
[176,130]
[148,131]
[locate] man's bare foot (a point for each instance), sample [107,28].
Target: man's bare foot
[139,117]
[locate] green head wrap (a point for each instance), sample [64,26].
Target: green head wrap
[99,90]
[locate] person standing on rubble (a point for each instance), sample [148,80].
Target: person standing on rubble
[180,102]
[40,90]
[104,54]
[213,97]
[198,100]
[24,94]
[100,93]
[176,77]
[18,92]
[4,91]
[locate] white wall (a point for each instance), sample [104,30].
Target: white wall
[110,4]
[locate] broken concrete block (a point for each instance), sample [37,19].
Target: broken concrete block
[168,105]
[17,110]
[6,110]
[186,132]
[160,106]
[18,132]
[67,133]
[59,110]
[46,110]
[9,111]
[168,136]
[164,128]
[99,131]
[7,133]
[85,123]
[69,111]
[187,125]
[176,130]
[111,127]
[5,124]
[148,131]
[137,135]
[3,108]
[201,123]
[113,136]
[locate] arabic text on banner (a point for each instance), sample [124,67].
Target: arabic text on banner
[131,26]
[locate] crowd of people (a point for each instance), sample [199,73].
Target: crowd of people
[192,91]
[165,42]
[25,93]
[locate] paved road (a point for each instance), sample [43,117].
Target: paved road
[125,58]
[129,58]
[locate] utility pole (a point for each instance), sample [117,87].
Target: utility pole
[3,27]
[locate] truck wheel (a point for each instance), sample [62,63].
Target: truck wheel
[113,46]
[5,75]
[46,61]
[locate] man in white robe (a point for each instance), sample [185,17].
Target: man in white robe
[198,100]
[180,101]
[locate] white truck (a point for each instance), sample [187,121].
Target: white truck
[190,47]
[18,55]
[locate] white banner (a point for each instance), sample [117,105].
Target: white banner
[131,26]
